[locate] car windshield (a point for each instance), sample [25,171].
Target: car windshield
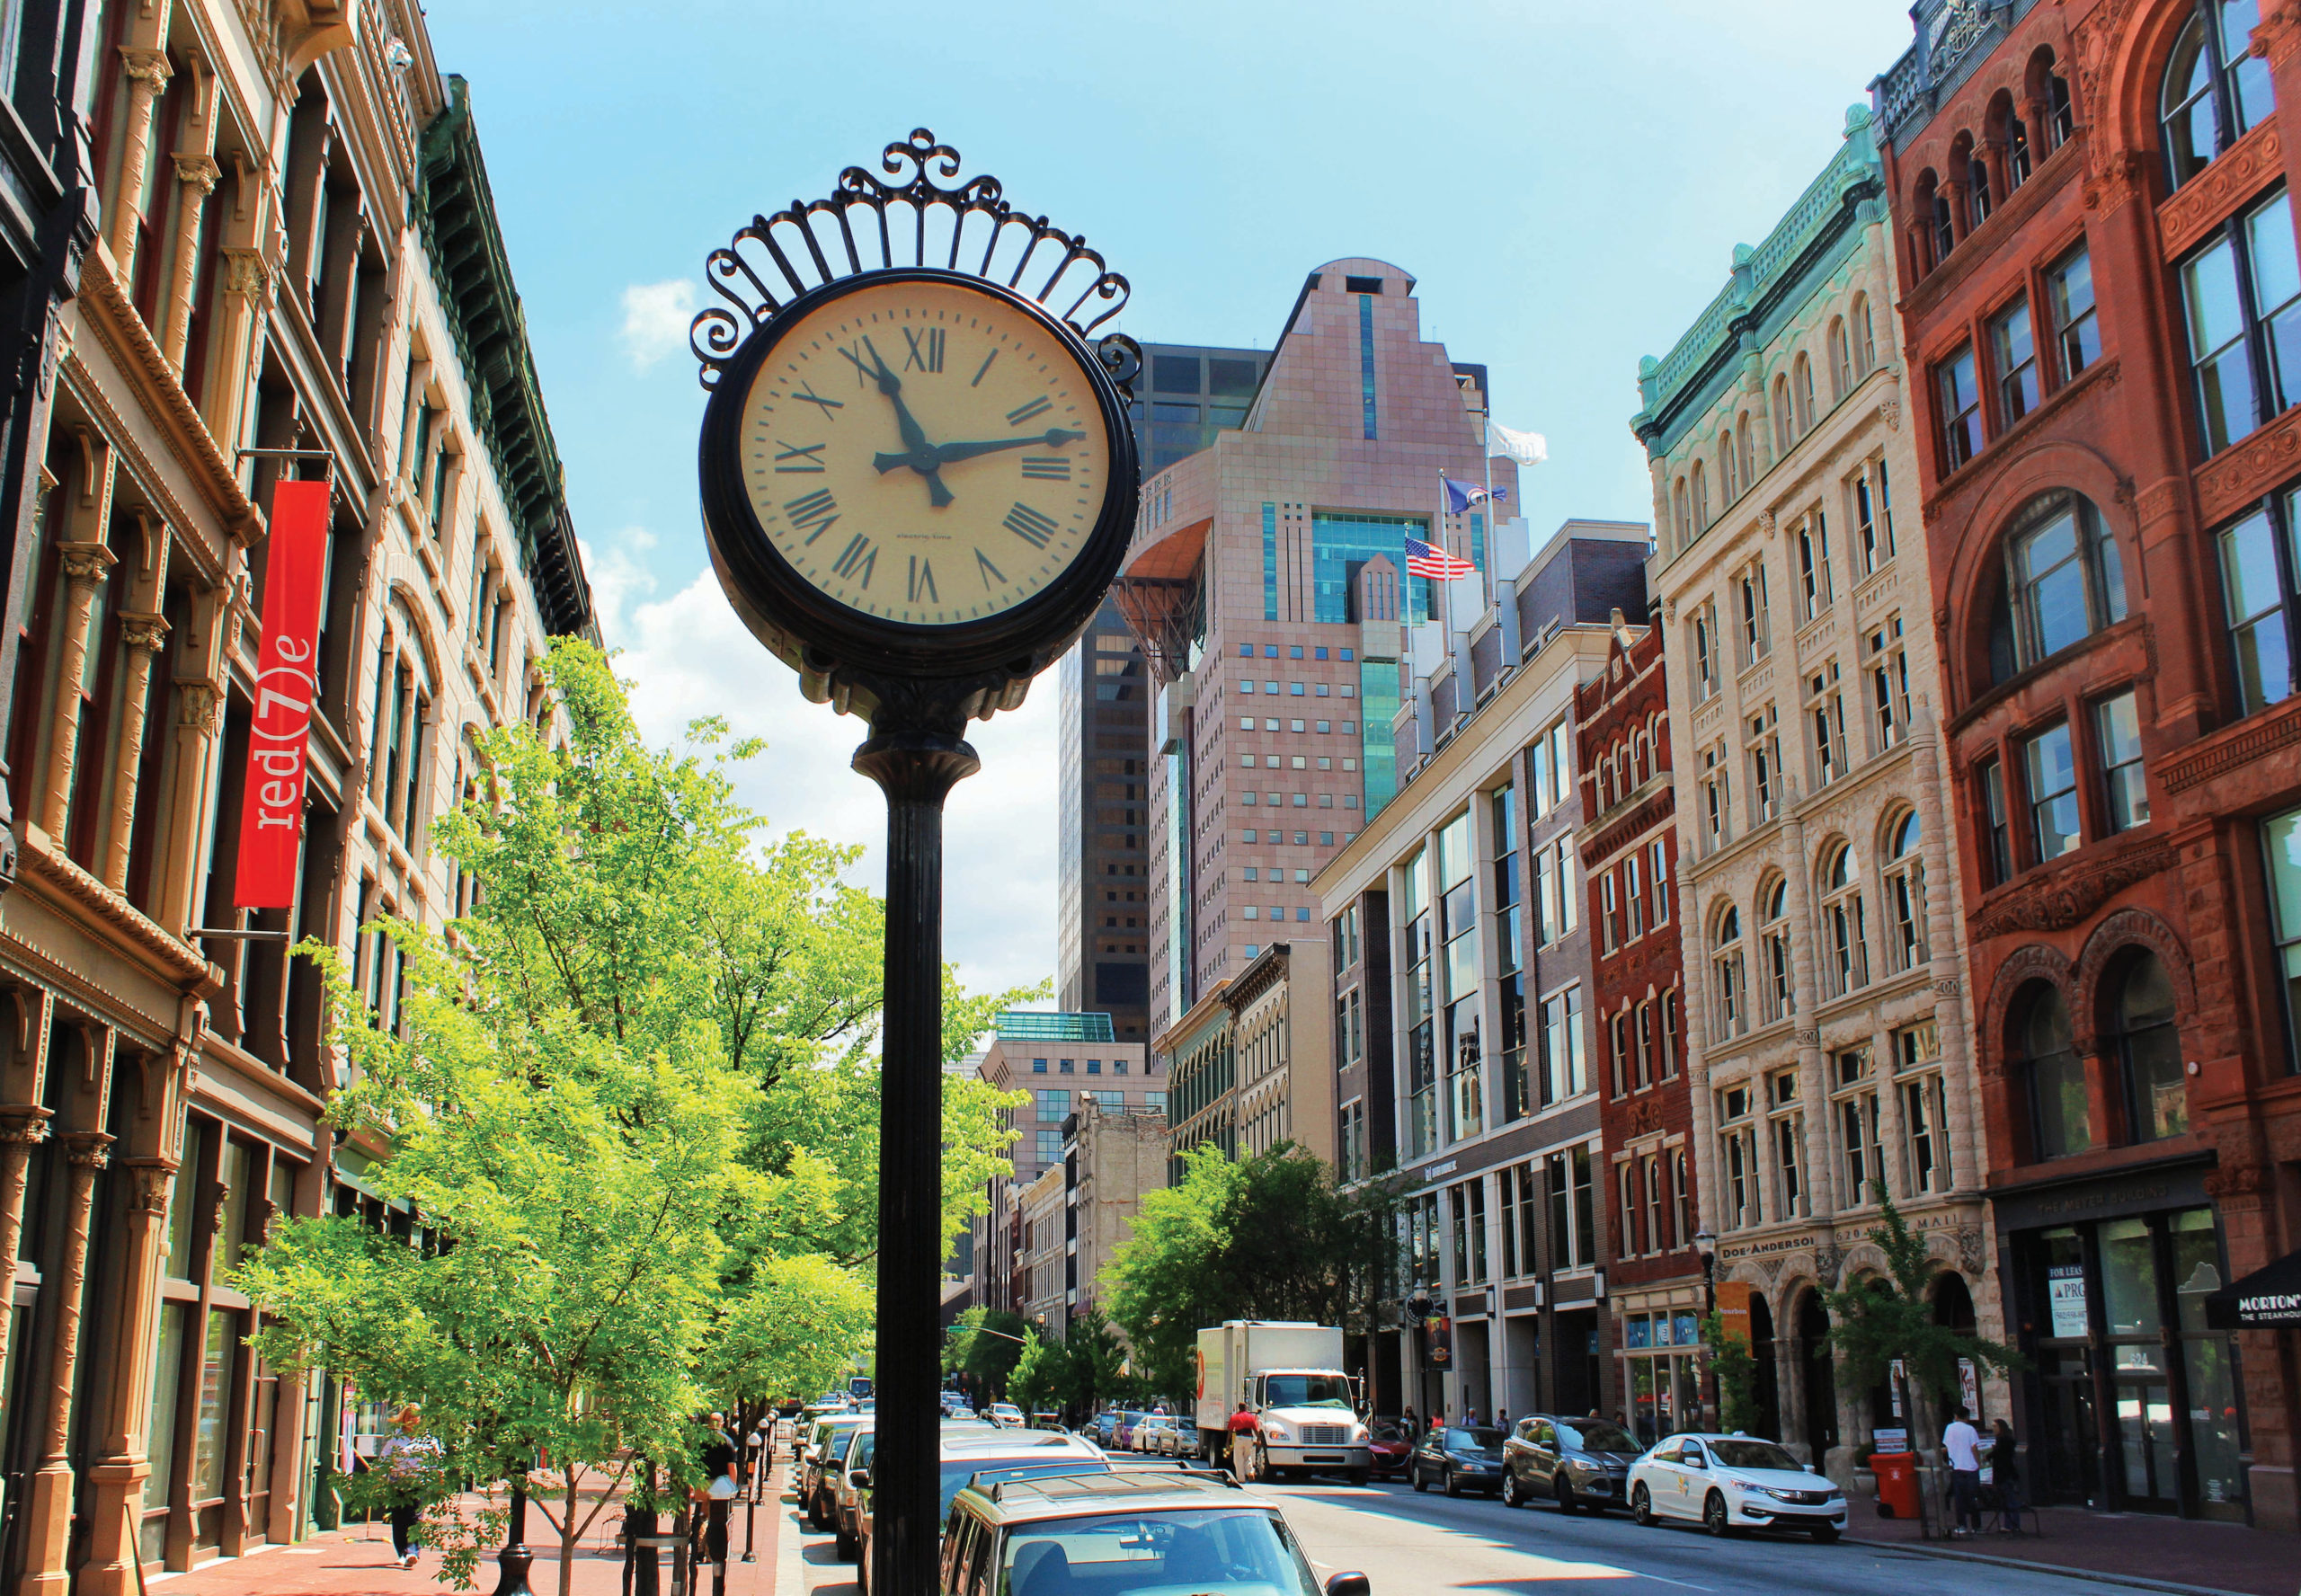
[1390,1430]
[957,1471]
[1228,1552]
[1598,1435]
[1306,1390]
[1480,1440]
[1752,1454]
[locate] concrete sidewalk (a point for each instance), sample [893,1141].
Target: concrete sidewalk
[358,1561]
[2141,1549]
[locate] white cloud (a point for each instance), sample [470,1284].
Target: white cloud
[688,655]
[656,317]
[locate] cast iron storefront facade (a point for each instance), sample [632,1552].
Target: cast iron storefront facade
[2131,1403]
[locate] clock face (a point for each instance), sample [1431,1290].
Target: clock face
[925,452]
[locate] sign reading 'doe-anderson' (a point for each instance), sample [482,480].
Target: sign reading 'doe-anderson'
[271,804]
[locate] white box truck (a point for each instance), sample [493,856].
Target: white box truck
[1289,1375]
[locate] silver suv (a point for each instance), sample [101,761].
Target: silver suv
[1109,1534]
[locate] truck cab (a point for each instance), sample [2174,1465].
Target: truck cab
[1307,1419]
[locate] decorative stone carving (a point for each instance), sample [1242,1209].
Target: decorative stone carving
[2260,737]
[2123,178]
[198,171]
[1971,1255]
[1889,411]
[2200,205]
[87,562]
[154,1182]
[1827,1261]
[2279,36]
[2243,472]
[143,631]
[2236,1180]
[87,1150]
[2064,898]
[199,707]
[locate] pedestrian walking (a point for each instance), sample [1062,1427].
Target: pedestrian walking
[719,1458]
[1407,1418]
[2005,1477]
[1962,1442]
[1243,1424]
[411,1462]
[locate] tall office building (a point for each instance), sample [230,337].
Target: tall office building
[1192,392]
[1267,581]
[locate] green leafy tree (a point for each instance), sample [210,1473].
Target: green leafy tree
[1042,1376]
[1268,1236]
[984,1345]
[631,1098]
[1098,1361]
[1736,1368]
[1876,1321]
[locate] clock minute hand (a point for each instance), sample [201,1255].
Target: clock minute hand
[1052,438]
[921,456]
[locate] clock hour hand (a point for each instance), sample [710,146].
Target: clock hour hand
[1052,438]
[920,454]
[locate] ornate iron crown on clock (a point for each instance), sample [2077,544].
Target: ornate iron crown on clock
[918,475]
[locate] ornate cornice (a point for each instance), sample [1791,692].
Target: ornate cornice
[2064,898]
[198,171]
[45,866]
[2264,734]
[87,562]
[2241,474]
[140,629]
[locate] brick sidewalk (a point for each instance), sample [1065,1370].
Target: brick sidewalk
[358,1561]
[2137,1547]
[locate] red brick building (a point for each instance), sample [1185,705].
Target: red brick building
[1628,850]
[2102,296]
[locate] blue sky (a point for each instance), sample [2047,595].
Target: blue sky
[1566,182]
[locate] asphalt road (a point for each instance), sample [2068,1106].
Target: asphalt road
[1409,1543]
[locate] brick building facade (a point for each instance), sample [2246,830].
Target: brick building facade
[2095,230]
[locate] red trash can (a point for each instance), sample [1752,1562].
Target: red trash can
[1896,1475]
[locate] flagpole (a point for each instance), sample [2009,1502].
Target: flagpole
[1486,453]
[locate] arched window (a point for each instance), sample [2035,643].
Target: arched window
[2007,130]
[1864,337]
[1905,894]
[1782,435]
[2063,583]
[2215,91]
[1729,482]
[1701,498]
[1777,993]
[1732,979]
[1749,450]
[2061,1109]
[2149,1051]
[1841,361]
[1846,927]
[1978,198]
[1802,374]
[1681,514]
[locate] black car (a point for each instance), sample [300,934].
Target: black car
[1576,1463]
[1460,1457]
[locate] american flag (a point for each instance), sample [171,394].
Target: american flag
[1422,560]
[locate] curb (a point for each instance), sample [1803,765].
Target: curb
[2134,1582]
[790,1571]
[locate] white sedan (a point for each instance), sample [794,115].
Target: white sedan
[1732,1483]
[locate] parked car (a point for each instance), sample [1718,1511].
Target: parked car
[1576,1463]
[1100,1428]
[1154,1435]
[843,1472]
[1458,1458]
[813,1500]
[1732,1483]
[1123,1437]
[1161,1530]
[1389,1445]
[830,1473]
[1005,1413]
[989,1455]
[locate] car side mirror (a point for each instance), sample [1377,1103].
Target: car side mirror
[861,1479]
[1353,1583]
[1695,1462]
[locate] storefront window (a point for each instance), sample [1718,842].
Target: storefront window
[167,1384]
[209,1441]
[2144,1408]
[2281,844]
[2209,1360]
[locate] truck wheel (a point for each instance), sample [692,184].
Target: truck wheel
[1358,1477]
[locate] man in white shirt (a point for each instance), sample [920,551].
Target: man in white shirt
[1961,1440]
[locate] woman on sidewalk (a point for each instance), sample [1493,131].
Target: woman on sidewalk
[409,1462]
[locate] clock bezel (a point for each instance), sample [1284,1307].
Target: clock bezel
[821,637]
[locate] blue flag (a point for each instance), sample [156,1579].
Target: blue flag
[1460,496]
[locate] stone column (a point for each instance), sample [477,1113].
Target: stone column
[1813,1092]
[86,566]
[1992,157]
[47,1518]
[145,635]
[22,1129]
[1942,947]
[147,73]
[199,722]
[116,1508]
[1703,1154]
[1961,193]
[196,176]
[241,301]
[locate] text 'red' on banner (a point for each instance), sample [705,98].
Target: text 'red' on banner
[272,805]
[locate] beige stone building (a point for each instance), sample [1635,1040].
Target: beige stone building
[1116,1155]
[1046,1249]
[1828,1023]
[296,253]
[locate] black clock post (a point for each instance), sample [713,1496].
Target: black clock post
[917,683]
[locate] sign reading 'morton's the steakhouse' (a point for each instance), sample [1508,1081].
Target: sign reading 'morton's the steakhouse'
[272,805]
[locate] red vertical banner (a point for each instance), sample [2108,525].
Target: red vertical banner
[271,806]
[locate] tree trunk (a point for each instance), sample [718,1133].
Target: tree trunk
[570,1531]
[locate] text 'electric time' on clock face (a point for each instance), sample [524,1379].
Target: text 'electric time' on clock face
[925,452]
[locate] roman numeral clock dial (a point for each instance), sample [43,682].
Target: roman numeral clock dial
[925,452]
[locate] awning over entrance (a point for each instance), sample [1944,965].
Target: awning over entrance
[2265,1299]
